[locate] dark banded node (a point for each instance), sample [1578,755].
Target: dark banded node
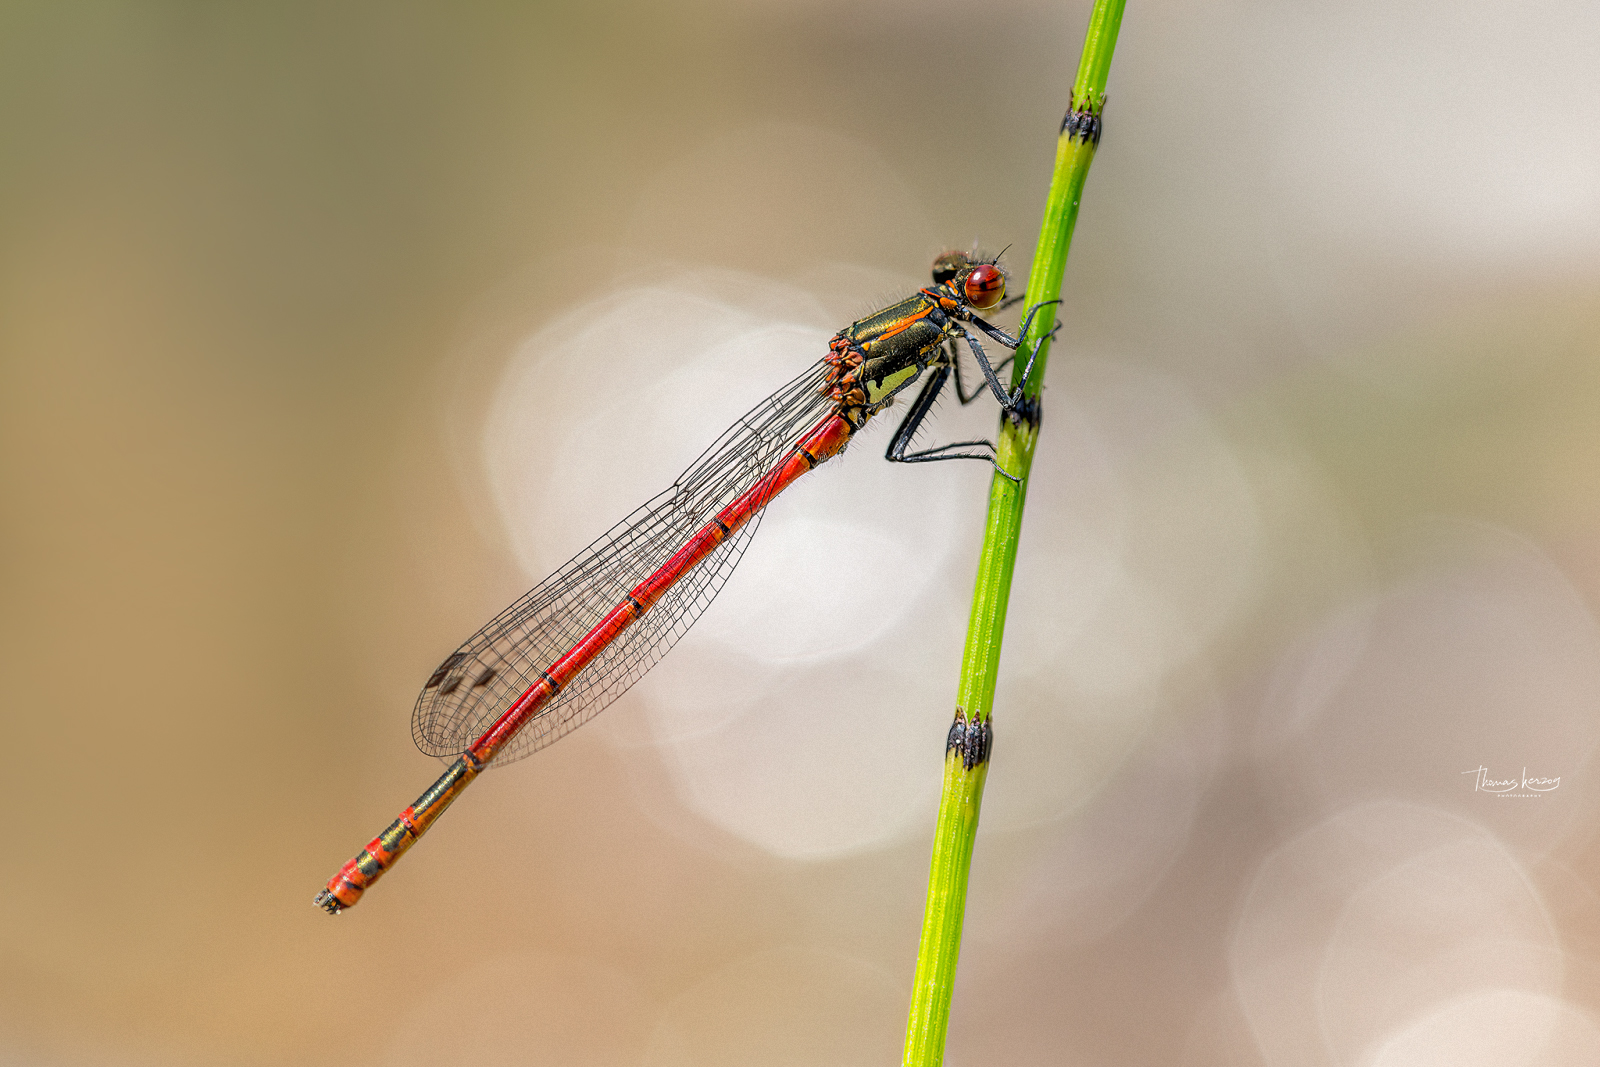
[1027,413]
[971,740]
[1082,124]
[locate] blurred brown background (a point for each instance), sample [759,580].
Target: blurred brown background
[326,330]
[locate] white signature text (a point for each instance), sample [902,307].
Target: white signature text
[1483,782]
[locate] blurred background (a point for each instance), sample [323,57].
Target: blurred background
[328,329]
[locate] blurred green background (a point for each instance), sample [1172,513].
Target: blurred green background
[328,329]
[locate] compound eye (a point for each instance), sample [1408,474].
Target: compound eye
[985,286]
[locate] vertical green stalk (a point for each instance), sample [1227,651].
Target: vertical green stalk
[967,749]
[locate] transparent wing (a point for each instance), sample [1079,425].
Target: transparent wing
[478,681]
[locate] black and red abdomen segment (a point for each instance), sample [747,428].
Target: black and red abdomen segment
[356,876]
[822,443]
[524,708]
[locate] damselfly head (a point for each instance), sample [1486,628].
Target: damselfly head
[980,282]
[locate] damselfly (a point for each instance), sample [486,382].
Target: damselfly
[579,639]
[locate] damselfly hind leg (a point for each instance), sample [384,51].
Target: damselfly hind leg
[900,445]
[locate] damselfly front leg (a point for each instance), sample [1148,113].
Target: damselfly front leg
[904,433]
[1009,401]
[961,389]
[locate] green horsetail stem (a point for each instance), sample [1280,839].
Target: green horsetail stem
[967,750]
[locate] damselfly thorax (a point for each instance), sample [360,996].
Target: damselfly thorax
[881,354]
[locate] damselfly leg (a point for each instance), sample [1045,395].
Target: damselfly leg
[1012,403]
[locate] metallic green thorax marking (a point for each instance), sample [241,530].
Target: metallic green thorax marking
[898,342]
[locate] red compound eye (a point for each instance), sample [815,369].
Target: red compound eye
[985,286]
